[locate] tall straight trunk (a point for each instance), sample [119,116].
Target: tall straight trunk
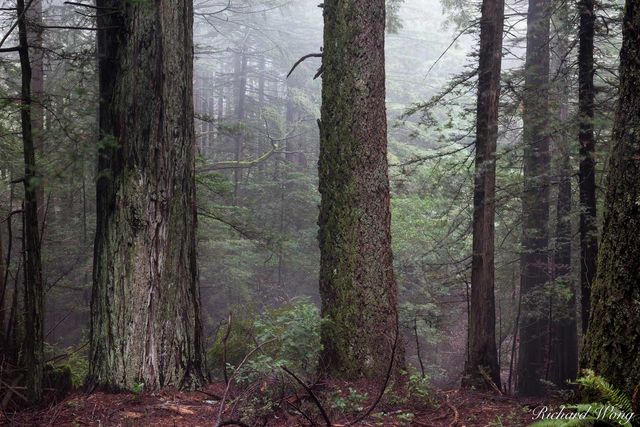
[612,346]
[145,308]
[482,353]
[240,74]
[535,203]
[563,363]
[33,287]
[36,57]
[357,284]
[587,174]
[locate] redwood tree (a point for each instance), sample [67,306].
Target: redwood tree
[357,284]
[33,350]
[482,353]
[145,319]
[612,346]
[535,202]
[587,174]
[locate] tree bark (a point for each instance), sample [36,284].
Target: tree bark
[563,352]
[482,353]
[240,74]
[357,284]
[535,203]
[587,174]
[33,287]
[36,57]
[612,346]
[145,308]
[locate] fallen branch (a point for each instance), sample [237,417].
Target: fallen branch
[456,415]
[311,394]
[235,372]
[386,380]
[489,381]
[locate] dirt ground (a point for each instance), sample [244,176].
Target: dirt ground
[453,408]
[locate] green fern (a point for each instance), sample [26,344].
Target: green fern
[609,394]
[612,406]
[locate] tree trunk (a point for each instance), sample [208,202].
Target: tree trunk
[33,288]
[36,57]
[357,284]
[145,308]
[240,74]
[482,354]
[535,203]
[563,363]
[587,174]
[612,346]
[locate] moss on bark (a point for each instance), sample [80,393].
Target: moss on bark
[145,321]
[612,344]
[357,285]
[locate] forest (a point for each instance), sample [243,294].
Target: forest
[320,213]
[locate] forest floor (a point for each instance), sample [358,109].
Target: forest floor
[453,408]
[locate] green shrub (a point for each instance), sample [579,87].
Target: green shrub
[288,335]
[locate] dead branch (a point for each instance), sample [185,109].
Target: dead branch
[301,60]
[386,380]
[311,394]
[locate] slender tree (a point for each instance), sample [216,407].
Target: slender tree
[563,339]
[482,354]
[33,286]
[587,174]
[357,284]
[612,345]
[535,202]
[145,319]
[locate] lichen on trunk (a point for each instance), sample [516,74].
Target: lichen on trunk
[145,309]
[357,284]
[612,344]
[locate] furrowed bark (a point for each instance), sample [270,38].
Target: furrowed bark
[587,174]
[612,345]
[33,287]
[535,203]
[145,321]
[482,354]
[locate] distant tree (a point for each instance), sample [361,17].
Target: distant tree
[145,309]
[357,283]
[563,339]
[535,202]
[612,345]
[482,353]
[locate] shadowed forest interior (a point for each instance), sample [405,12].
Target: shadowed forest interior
[287,212]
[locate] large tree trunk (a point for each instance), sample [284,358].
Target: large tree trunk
[587,175]
[357,284]
[535,203]
[33,287]
[482,353]
[145,308]
[612,346]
